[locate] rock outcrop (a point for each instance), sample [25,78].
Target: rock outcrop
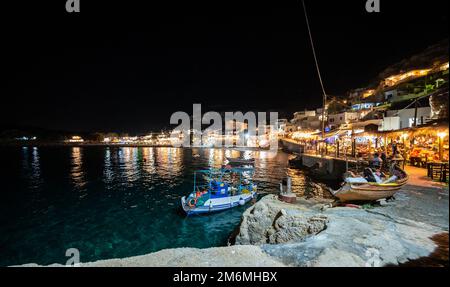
[267,222]
[307,234]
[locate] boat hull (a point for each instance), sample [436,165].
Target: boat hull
[369,191]
[218,204]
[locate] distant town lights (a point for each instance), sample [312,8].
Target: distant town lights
[75,139]
[26,138]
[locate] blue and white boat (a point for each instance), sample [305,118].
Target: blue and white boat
[219,189]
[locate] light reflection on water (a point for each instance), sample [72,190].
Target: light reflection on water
[31,167]
[149,160]
[76,172]
[117,201]
[108,172]
[169,166]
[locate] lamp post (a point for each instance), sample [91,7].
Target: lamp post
[337,148]
[441,136]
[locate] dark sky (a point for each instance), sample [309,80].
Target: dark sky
[126,66]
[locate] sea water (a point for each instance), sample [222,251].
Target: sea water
[114,202]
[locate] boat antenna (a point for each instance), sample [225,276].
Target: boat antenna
[324,99]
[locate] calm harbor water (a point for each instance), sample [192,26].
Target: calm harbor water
[114,202]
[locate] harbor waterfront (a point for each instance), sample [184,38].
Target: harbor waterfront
[246,134]
[115,202]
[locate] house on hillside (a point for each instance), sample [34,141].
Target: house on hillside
[399,119]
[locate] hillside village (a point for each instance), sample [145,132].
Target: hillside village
[405,107]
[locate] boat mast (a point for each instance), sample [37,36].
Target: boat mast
[324,98]
[195,180]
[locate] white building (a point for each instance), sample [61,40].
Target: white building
[399,119]
[285,127]
[308,123]
[300,116]
[336,120]
[390,124]
[281,125]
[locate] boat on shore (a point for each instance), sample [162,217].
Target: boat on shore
[219,189]
[358,188]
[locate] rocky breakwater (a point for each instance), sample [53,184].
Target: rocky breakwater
[310,233]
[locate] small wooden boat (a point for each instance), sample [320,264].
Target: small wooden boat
[369,191]
[232,160]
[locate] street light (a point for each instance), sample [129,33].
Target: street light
[441,136]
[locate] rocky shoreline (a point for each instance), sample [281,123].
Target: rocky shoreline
[312,233]
[309,234]
[230,256]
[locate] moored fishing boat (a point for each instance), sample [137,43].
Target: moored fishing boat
[361,189]
[219,190]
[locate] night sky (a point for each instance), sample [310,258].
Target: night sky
[122,66]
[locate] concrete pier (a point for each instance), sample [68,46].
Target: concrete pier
[291,146]
[335,167]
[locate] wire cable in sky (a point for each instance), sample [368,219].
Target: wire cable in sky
[317,66]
